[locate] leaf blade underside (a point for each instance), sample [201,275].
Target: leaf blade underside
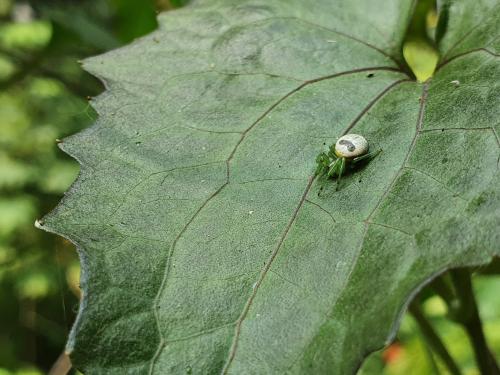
[205,247]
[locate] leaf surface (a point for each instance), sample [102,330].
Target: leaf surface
[205,246]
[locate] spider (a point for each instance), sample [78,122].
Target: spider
[349,150]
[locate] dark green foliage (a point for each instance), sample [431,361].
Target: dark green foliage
[43,98]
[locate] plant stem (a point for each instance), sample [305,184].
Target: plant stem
[432,360]
[62,366]
[469,318]
[443,287]
[433,339]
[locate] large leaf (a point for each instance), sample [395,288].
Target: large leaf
[204,244]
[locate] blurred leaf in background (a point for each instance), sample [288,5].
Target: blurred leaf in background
[410,354]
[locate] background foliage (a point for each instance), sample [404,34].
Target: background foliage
[42,98]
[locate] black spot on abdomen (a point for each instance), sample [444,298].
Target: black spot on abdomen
[349,144]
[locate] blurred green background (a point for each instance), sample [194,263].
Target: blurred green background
[43,97]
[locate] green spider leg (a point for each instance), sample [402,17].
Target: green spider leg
[340,172]
[331,152]
[329,164]
[323,162]
[321,188]
[367,156]
[333,168]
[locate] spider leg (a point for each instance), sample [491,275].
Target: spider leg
[323,162]
[334,168]
[322,186]
[322,180]
[331,152]
[321,170]
[340,172]
[367,156]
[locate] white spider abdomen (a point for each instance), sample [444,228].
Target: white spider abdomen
[351,146]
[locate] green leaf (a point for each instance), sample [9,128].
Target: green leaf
[204,244]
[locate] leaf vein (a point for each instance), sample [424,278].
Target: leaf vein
[263,274]
[454,193]
[465,36]
[445,62]
[322,209]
